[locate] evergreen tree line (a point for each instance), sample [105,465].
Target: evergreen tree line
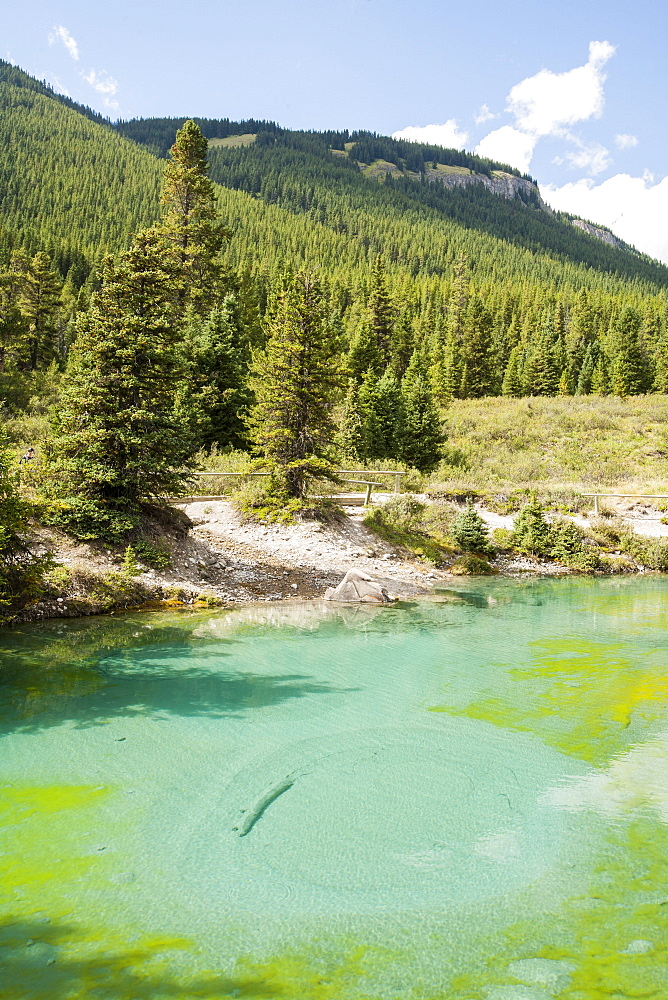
[174,351]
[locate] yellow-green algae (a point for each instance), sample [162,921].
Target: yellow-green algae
[593,934]
[579,696]
[39,819]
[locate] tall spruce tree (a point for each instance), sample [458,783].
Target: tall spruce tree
[447,360]
[39,299]
[190,226]
[543,371]
[384,417]
[513,381]
[352,434]
[20,568]
[422,436]
[629,371]
[215,396]
[477,352]
[118,441]
[296,382]
[579,338]
[382,313]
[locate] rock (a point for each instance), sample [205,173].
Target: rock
[638,947]
[358,588]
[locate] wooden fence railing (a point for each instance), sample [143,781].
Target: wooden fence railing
[370,484]
[625,496]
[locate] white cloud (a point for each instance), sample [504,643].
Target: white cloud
[625,141]
[508,145]
[102,82]
[61,34]
[543,104]
[484,115]
[447,134]
[635,208]
[59,87]
[594,159]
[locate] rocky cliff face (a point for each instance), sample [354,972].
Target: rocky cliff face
[500,183]
[600,234]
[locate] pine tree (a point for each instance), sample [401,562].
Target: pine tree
[384,417]
[190,224]
[118,442]
[403,344]
[13,328]
[584,383]
[531,531]
[661,363]
[352,438]
[542,371]
[39,299]
[20,569]
[628,372]
[469,530]
[477,353]
[422,436]
[296,383]
[513,382]
[382,313]
[579,339]
[447,356]
[364,354]
[216,360]
[600,380]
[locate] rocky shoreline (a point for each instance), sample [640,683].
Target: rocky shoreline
[218,559]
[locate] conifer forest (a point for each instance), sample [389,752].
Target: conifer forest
[170,286]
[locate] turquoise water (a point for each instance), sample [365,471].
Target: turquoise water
[461,797]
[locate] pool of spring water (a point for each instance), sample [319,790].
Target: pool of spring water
[465,796]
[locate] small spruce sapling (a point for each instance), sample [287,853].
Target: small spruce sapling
[532,533]
[470,532]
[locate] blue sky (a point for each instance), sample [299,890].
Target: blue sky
[572,92]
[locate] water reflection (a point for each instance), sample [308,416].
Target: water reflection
[635,781]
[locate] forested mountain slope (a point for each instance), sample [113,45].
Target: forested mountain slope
[72,184]
[333,176]
[469,273]
[68,184]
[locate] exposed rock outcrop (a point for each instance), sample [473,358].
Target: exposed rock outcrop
[500,183]
[599,233]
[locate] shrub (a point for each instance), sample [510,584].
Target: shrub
[471,565]
[652,553]
[268,500]
[57,579]
[503,539]
[154,554]
[405,513]
[207,599]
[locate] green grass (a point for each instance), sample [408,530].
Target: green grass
[381,167]
[581,443]
[444,168]
[234,141]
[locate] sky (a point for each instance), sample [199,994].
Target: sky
[572,93]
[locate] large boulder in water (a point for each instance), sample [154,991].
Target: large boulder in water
[358,588]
